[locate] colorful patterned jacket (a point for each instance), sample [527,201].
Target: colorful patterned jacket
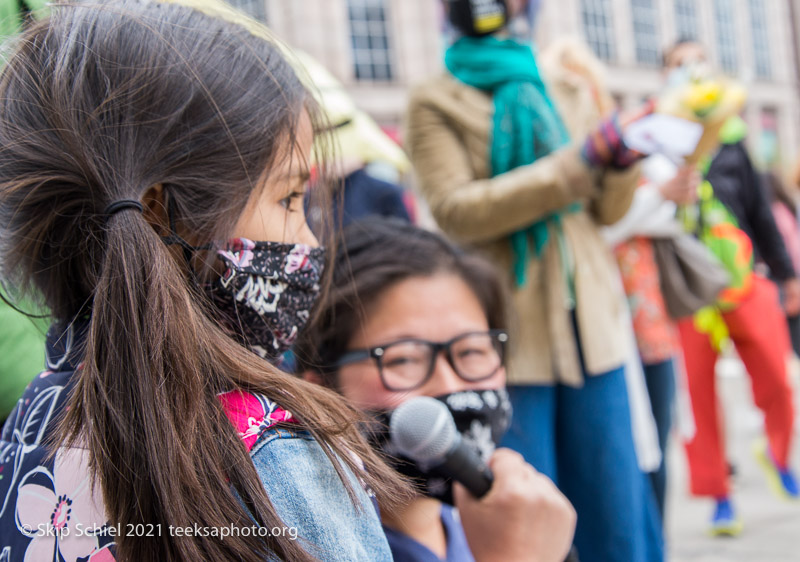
[41,496]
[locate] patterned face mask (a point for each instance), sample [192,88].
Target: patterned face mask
[267,291]
[482,418]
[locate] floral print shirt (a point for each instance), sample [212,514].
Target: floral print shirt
[656,333]
[45,501]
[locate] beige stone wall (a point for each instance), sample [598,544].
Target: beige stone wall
[321,27]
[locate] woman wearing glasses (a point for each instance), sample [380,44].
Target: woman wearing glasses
[411,315]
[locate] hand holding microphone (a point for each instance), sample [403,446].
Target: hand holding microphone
[508,510]
[524,517]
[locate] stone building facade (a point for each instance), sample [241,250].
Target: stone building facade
[379,48]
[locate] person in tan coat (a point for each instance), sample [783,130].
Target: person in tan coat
[496,167]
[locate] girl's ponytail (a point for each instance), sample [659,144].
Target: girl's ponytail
[98,104]
[145,406]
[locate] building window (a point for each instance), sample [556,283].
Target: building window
[726,35]
[686,20]
[598,26]
[372,56]
[761,55]
[645,31]
[256,9]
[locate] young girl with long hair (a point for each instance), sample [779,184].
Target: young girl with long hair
[152,169]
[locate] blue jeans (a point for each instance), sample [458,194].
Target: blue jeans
[581,438]
[660,379]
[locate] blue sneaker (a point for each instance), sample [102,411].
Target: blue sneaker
[781,481]
[724,522]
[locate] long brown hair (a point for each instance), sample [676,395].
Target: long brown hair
[99,103]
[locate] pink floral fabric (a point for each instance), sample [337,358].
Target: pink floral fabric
[239,252]
[63,508]
[252,414]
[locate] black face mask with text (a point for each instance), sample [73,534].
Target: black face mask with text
[267,291]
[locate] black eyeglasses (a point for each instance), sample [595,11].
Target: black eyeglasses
[408,364]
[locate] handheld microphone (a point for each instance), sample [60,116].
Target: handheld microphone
[423,430]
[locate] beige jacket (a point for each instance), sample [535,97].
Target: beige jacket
[448,140]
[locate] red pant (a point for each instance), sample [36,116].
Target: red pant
[758,329]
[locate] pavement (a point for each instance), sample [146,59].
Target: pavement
[771,525]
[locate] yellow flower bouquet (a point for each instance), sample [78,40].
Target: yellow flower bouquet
[708,100]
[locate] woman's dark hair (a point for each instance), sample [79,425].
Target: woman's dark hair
[375,254]
[99,103]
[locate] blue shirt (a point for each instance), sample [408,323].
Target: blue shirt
[406,549]
[366,196]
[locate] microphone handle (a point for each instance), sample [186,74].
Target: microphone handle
[463,465]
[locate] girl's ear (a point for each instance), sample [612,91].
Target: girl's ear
[155,209]
[313,377]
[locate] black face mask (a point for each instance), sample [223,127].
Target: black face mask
[482,418]
[267,291]
[476,18]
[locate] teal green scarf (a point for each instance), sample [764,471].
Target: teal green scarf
[526,125]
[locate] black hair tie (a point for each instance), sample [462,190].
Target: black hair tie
[122,205]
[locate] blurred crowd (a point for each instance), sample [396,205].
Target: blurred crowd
[561,273]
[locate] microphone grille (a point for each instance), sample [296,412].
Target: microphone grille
[423,429]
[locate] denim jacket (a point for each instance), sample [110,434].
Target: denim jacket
[40,494]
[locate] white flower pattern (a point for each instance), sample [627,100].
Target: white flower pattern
[52,515]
